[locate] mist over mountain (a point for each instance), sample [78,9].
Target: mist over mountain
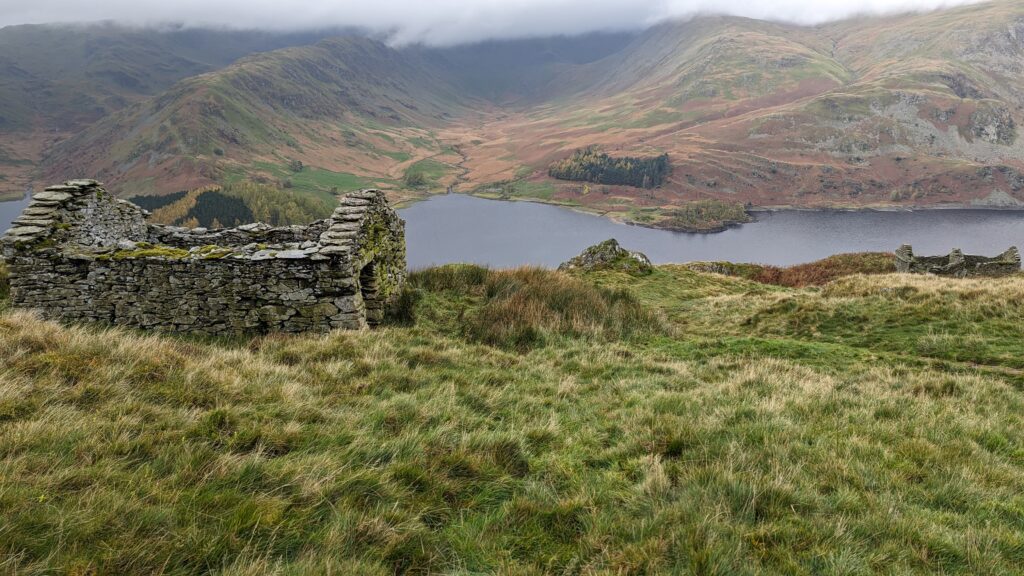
[915,109]
[447,22]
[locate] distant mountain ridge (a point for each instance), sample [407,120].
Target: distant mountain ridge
[57,80]
[910,110]
[337,97]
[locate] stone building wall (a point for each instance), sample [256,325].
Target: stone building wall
[78,254]
[957,264]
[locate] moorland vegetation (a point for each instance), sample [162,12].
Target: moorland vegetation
[534,422]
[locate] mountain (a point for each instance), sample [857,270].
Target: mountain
[919,109]
[57,80]
[352,109]
[343,102]
[912,110]
[518,73]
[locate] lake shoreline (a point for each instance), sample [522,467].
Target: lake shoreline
[753,211]
[942,207]
[14,196]
[467,228]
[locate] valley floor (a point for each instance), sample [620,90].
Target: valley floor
[532,422]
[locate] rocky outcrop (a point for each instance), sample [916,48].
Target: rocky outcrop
[994,124]
[957,264]
[608,255]
[997,199]
[78,254]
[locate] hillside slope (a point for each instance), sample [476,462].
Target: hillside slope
[915,110]
[912,110]
[56,80]
[350,103]
[530,422]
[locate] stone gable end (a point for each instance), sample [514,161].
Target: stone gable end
[78,254]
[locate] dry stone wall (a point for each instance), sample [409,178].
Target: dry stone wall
[78,254]
[957,264]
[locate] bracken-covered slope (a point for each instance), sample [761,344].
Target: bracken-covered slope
[348,102]
[919,109]
[56,80]
[914,110]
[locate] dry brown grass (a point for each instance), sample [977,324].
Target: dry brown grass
[826,270]
[5,285]
[782,431]
[816,273]
[989,292]
[525,307]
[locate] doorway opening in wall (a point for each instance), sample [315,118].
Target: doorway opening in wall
[368,288]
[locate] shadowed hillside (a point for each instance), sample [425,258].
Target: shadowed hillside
[343,103]
[56,80]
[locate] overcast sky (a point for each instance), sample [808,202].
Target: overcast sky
[441,21]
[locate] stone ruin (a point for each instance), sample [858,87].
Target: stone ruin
[957,264]
[76,253]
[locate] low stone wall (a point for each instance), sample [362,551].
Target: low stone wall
[957,264]
[78,254]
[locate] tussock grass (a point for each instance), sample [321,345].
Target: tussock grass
[5,285]
[816,273]
[912,317]
[735,441]
[526,307]
[460,278]
[978,321]
[981,291]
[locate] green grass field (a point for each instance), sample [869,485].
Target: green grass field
[426,173]
[316,180]
[519,190]
[533,422]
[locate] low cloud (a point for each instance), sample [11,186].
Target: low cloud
[442,22]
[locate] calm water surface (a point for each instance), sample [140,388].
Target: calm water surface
[10,210]
[457,228]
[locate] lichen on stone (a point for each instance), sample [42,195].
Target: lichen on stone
[104,262]
[608,255]
[166,252]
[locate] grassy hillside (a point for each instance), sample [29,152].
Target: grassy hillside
[76,74]
[530,422]
[347,109]
[921,109]
[56,80]
[915,110]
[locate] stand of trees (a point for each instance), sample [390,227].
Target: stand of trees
[592,165]
[705,216]
[235,204]
[214,209]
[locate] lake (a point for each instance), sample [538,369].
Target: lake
[10,210]
[459,228]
